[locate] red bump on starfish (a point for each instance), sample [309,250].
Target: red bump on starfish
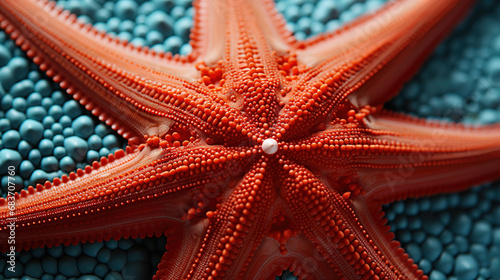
[256,153]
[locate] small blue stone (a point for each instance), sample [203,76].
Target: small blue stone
[104,152]
[160,21]
[481,233]
[55,111]
[124,35]
[49,265]
[11,139]
[55,252]
[19,67]
[102,130]
[19,103]
[127,26]
[91,249]
[154,37]
[34,268]
[59,98]
[7,78]
[15,117]
[414,251]
[4,125]
[325,11]
[495,268]
[104,255]
[112,244]
[8,158]
[111,142]
[22,88]
[419,236]
[31,131]
[446,237]
[415,222]
[34,99]
[86,264]
[72,108]
[34,75]
[83,126]
[461,224]
[76,147]
[47,102]
[432,248]
[5,55]
[425,266]
[36,113]
[140,30]
[138,42]
[57,129]
[49,164]
[46,147]
[68,267]
[67,164]
[92,156]
[59,153]
[113,24]
[95,142]
[60,277]
[182,28]
[488,116]
[65,121]
[48,134]
[35,156]
[462,244]
[173,44]
[445,262]
[73,250]
[68,131]
[437,275]
[439,203]
[466,267]
[43,87]
[479,252]
[125,244]
[39,177]
[433,225]
[48,121]
[26,169]
[126,9]
[101,270]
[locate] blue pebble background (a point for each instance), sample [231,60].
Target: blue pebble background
[44,134]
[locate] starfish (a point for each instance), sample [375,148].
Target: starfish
[256,153]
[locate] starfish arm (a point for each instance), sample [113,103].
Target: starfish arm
[329,220]
[133,194]
[434,158]
[229,235]
[135,91]
[368,61]
[391,156]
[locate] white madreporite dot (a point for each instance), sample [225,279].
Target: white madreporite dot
[270,146]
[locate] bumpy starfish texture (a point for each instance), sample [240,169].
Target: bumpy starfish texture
[257,152]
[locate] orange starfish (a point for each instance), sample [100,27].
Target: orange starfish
[256,153]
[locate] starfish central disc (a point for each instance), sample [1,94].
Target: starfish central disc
[270,146]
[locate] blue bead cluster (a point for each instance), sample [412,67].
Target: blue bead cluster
[461,244]
[109,260]
[45,134]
